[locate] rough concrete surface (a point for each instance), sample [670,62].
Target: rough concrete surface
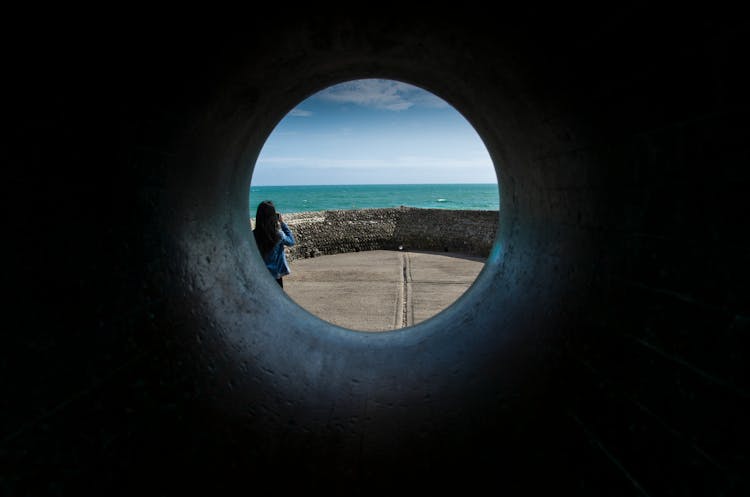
[143,353]
[380,290]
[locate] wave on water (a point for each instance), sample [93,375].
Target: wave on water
[330,197]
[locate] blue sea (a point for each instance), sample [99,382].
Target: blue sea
[288,199]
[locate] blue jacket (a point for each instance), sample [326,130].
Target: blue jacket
[276,258]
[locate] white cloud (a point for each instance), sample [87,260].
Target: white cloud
[297,112]
[282,160]
[382,94]
[427,99]
[399,163]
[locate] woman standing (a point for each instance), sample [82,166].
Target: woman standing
[272,235]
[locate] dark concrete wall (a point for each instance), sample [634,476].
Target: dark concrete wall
[602,351]
[442,230]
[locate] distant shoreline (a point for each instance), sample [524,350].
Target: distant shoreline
[368,184]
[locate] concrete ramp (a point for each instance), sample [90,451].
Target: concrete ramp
[380,290]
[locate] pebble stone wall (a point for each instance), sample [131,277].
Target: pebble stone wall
[468,232]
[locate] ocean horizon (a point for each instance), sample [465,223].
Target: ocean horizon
[309,198]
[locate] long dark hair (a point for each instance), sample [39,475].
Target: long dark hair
[266,227]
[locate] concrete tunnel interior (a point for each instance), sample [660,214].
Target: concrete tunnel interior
[600,351]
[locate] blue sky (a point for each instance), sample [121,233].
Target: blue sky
[373,131]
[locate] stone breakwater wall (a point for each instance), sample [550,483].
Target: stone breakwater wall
[440,230]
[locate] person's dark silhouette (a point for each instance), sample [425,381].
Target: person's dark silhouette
[272,235]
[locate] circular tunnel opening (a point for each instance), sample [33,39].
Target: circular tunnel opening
[305,368]
[387,202]
[287,375]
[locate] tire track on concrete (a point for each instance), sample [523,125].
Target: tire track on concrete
[406,314]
